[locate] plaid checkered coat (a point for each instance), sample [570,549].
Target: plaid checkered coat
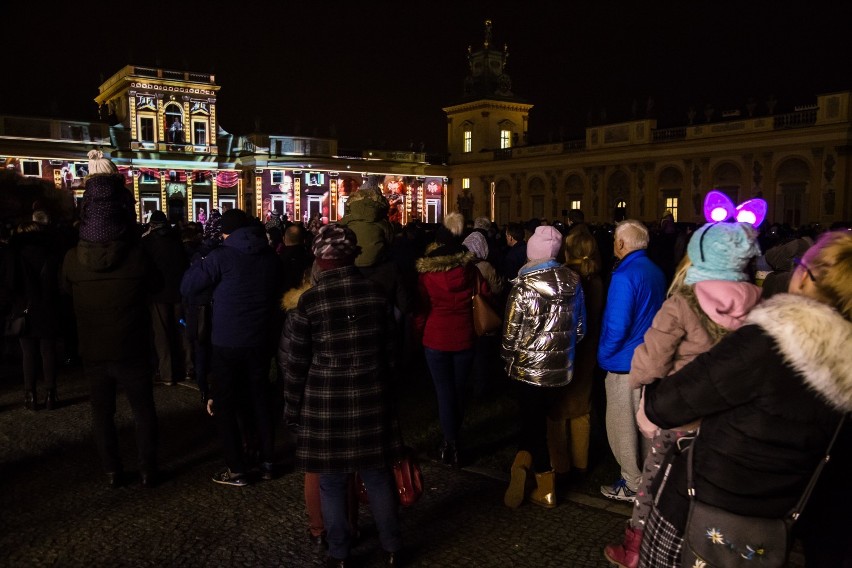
[338,372]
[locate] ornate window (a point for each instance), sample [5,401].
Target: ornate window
[146,129]
[505,139]
[468,141]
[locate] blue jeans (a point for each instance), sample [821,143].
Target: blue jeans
[450,371]
[334,495]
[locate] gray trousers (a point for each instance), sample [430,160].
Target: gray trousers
[622,402]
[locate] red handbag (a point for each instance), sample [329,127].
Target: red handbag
[407,476]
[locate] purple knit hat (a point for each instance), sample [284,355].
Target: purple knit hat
[107,212]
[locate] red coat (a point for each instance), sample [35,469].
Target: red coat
[445,284]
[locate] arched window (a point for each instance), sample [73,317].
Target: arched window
[174,124]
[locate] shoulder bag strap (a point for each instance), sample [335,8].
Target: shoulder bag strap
[794,514]
[797,510]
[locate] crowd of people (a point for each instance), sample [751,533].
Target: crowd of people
[313,327]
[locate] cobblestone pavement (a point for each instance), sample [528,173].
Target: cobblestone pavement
[56,509]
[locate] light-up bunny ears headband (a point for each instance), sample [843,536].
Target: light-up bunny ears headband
[718,207]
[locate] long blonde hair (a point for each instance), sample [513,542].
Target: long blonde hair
[830,262]
[581,252]
[679,275]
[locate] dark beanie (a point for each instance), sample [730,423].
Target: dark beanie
[158,218]
[234,219]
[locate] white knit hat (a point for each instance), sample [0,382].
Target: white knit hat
[100,165]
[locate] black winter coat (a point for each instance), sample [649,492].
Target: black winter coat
[33,262]
[770,396]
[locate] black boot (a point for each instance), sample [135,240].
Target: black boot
[30,400]
[50,399]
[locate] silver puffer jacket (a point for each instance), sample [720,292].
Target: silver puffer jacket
[545,318]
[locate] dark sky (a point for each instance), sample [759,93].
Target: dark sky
[379,72]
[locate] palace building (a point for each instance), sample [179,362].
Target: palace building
[163,133]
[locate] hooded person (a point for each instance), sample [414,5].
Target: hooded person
[366,214]
[246,278]
[111,279]
[710,296]
[338,378]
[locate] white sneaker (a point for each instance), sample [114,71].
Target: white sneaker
[618,491]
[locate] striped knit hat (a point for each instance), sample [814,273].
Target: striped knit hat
[334,246]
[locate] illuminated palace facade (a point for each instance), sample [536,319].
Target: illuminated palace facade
[165,137]
[799,162]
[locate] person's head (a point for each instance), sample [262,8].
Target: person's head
[575,216]
[293,235]
[158,219]
[630,235]
[825,272]
[581,252]
[483,223]
[108,209]
[544,243]
[514,234]
[476,243]
[454,222]
[273,234]
[233,220]
[721,251]
[679,275]
[41,217]
[335,246]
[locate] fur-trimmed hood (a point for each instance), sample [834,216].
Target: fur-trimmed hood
[445,262]
[290,299]
[815,340]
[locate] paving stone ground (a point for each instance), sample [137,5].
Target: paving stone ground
[56,510]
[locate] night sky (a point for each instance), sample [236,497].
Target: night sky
[376,74]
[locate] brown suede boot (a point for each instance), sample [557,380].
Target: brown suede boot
[545,491]
[626,555]
[518,482]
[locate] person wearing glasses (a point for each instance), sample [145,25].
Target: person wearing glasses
[770,397]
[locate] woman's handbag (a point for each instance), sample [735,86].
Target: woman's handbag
[408,477]
[715,537]
[485,319]
[407,474]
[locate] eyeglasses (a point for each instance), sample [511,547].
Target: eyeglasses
[798,262]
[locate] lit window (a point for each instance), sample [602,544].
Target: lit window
[575,205]
[465,183]
[671,205]
[621,204]
[146,129]
[468,141]
[505,138]
[199,133]
[31,167]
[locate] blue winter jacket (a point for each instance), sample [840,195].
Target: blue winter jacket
[247,280]
[636,292]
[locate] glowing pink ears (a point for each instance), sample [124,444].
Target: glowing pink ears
[718,207]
